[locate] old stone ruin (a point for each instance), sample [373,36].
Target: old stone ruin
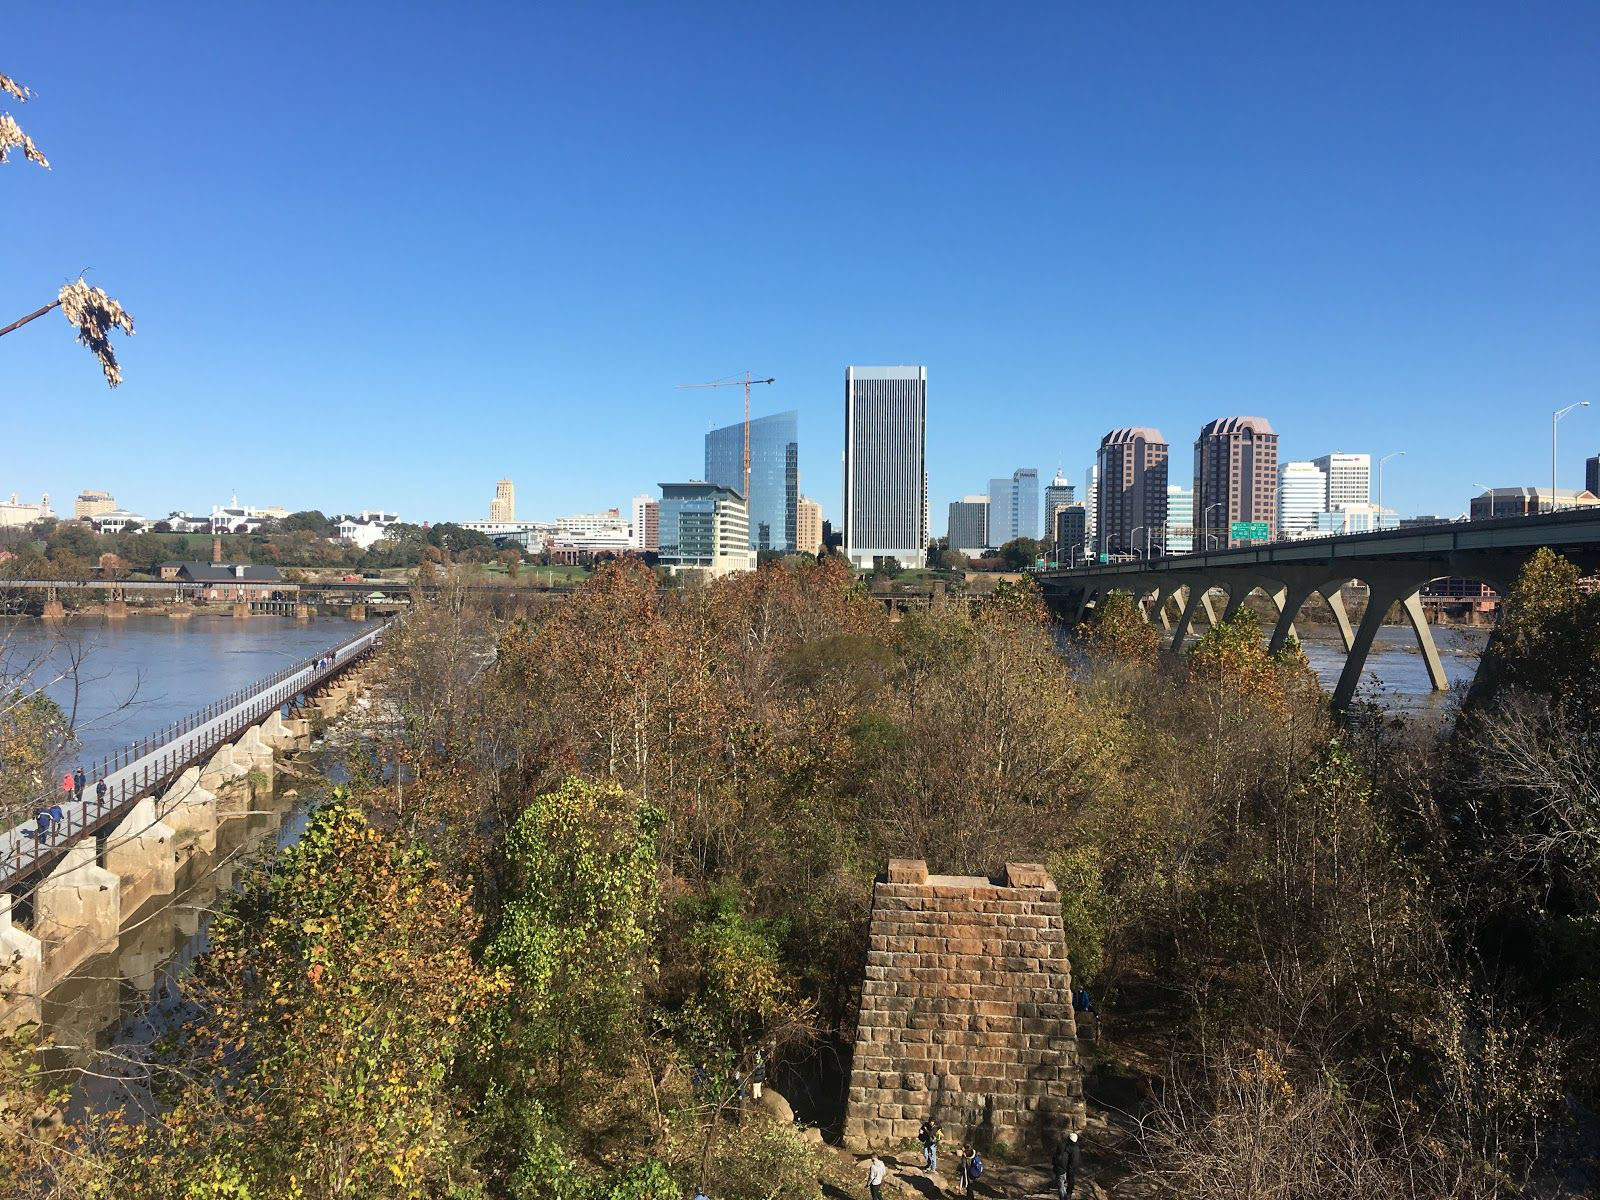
[966,1011]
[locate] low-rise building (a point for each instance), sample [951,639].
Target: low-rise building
[14,512]
[1527,501]
[234,517]
[1353,518]
[182,522]
[366,528]
[119,520]
[705,527]
[227,581]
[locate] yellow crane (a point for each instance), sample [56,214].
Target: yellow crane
[737,381]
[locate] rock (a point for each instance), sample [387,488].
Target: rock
[812,1134]
[775,1106]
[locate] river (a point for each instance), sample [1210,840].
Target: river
[124,679]
[121,680]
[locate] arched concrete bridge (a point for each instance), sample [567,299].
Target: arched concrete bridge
[1393,564]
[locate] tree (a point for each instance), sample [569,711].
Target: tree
[324,1022]
[1021,553]
[308,521]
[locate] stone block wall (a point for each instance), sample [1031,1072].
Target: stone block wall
[966,1011]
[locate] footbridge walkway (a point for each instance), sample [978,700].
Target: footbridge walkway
[148,765]
[1393,564]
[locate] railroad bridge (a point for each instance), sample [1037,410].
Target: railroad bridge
[1393,564]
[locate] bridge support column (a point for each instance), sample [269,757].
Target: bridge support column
[1430,653]
[1289,602]
[241,610]
[358,612]
[1195,594]
[54,610]
[1210,611]
[77,911]
[117,610]
[140,850]
[302,612]
[1163,594]
[1379,598]
[19,1003]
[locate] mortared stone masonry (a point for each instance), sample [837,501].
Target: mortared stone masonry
[966,1010]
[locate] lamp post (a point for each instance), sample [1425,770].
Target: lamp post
[1133,536]
[1381,461]
[1555,419]
[1205,518]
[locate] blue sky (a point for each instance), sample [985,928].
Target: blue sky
[382,254]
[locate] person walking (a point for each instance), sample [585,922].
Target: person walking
[876,1174]
[79,782]
[66,786]
[968,1167]
[100,793]
[930,1135]
[1064,1164]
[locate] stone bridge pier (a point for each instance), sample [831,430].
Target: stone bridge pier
[966,1011]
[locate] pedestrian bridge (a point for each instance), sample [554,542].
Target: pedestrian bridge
[146,766]
[1393,564]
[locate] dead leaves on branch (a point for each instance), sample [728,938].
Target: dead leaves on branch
[96,315]
[11,135]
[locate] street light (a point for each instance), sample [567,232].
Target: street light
[1381,461]
[1205,518]
[1133,536]
[1555,418]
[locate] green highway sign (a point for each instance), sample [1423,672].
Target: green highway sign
[1248,531]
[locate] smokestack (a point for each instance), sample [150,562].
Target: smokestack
[216,549]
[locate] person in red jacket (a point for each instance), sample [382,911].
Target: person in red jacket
[66,784]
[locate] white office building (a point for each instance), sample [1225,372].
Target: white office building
[1302,496]
[885,466]
[1354,518]
[1180,519]
[366,528]
[1348,479]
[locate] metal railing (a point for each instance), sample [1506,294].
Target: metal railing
[148,764]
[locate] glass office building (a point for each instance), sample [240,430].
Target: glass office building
[774,475]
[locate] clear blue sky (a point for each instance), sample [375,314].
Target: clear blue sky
[382,254]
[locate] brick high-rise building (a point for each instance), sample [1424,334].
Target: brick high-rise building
[808,526]
[1235,478]
[645,529]
[504,505]
[1131,496]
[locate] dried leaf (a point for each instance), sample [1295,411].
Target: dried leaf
[96,315]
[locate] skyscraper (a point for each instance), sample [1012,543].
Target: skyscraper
[1071,533]
[774,474]
[1059,494]
[1235,477]
[504,505]
[1349,479]
[1180,519]
[1131,505]
[807,526]
[1302,494]
[645,531]
[1014,506]
[885,465]
[968,530]
[1091,494]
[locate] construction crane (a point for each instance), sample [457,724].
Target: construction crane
[736,381]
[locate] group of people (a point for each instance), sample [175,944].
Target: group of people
[1064,1160]
[72,785]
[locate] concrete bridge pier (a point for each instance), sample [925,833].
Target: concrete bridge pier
[117,610]
[358,612]
[302,612]
[77,911]
[1381,596]
[141,850]
[192,811]
[21,972]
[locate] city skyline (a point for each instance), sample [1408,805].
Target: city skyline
[1329,267]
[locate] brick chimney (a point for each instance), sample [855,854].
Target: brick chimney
[216,549]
